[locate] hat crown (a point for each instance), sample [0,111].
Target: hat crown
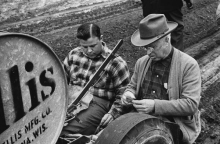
[153,25]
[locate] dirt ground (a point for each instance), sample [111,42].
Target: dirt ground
[119,22]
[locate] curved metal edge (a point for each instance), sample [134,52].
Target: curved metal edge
[2,34]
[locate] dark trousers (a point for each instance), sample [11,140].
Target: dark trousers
[90,118]
[177,35]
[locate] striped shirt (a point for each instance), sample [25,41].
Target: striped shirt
[115,77]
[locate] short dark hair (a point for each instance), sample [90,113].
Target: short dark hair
[87,30]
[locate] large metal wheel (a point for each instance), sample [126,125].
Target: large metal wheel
[135,128]
[33,91]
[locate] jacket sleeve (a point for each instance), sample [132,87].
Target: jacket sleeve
[189,96]
[132,86]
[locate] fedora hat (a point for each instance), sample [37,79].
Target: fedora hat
[152,28]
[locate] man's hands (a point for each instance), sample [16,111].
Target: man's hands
[106,120]
[144,106]
[127,98]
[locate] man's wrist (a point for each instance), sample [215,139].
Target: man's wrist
[114,113]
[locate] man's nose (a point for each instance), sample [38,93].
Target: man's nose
[89,49]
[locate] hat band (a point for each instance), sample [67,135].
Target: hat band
[158,36]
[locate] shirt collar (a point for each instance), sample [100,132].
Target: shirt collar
[106,51]
[166,61]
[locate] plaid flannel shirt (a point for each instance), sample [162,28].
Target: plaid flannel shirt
[113,81]
[155,83]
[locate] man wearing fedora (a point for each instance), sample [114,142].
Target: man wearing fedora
[172,9]
[166,82]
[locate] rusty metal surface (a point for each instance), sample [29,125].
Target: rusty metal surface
[32,91]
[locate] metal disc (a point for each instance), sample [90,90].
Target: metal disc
[32,91]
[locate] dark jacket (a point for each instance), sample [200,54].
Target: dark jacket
[160,6]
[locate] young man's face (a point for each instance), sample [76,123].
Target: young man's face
[92,47]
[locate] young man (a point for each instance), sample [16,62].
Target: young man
[80,65]
[166,82]
[172,10]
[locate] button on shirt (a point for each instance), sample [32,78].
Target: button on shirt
[155,83]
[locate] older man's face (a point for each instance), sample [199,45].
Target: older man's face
[158,50]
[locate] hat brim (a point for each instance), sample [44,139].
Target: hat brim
[137,41]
